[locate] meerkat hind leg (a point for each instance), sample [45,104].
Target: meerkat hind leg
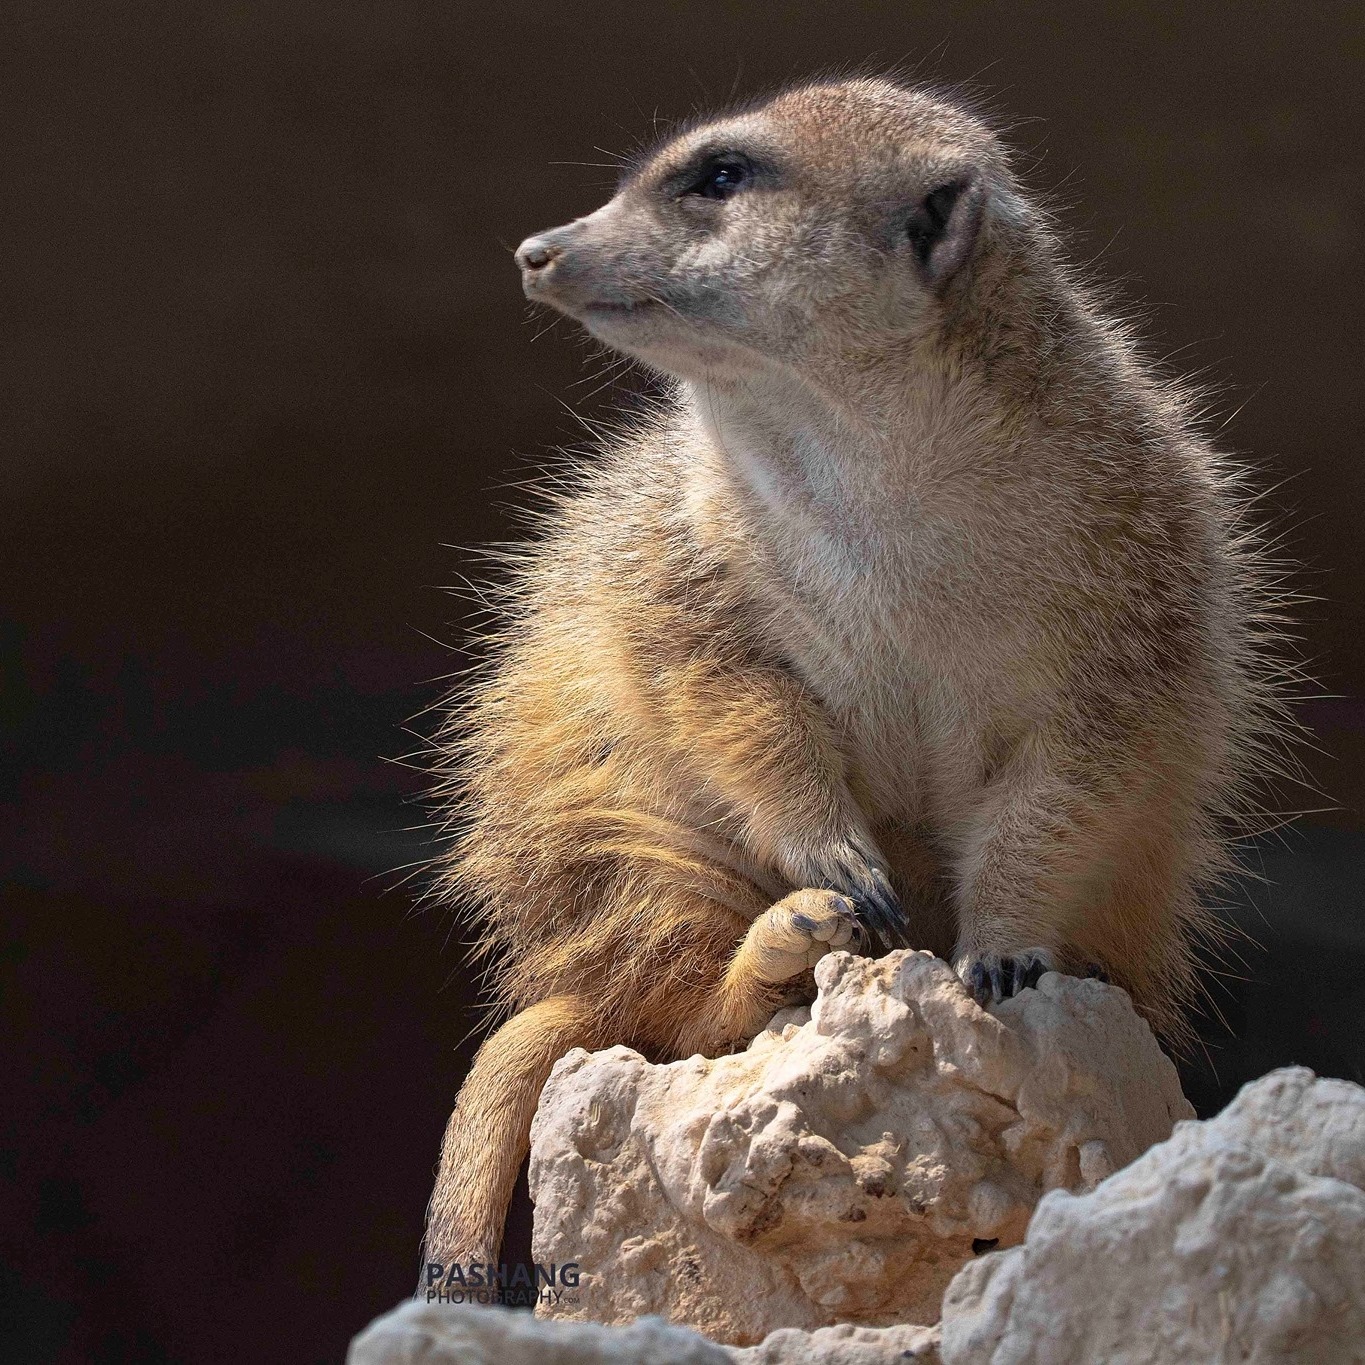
[787,939]
[793,935]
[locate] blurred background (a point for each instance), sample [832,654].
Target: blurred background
[266,362]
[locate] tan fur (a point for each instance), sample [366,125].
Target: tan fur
[912,571]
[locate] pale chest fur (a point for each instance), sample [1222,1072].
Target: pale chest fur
[905,613]
[918,697]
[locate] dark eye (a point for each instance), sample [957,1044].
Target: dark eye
[719,180]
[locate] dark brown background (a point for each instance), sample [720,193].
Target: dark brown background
[266,357]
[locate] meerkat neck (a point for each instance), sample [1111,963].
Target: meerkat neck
[788,442]
[839,458]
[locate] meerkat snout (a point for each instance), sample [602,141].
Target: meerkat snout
[563,266]
[534,254]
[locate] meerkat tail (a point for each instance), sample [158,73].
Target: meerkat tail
[489,1131]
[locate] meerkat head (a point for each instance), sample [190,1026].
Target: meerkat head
[833,219]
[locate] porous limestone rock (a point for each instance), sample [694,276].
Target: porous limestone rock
[1316,1126]
[1239,1239]
[842,1345]
[846,1165]
[468,1334]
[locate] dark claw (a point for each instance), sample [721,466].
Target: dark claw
[880,911]
[1003,979]
[976,983]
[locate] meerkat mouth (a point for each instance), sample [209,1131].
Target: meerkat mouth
[621,309]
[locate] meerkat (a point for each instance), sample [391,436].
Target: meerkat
[918,611]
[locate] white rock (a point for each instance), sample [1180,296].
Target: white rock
[1233,1241]
[840,1169]
[441,1334]
[843,1345]
[1317,1126]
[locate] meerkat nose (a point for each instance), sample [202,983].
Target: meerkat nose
[535,253]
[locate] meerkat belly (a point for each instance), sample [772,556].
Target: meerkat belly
[915,707]
[915,740]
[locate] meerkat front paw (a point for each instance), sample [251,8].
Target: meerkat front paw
[793,935]
[854,867]
[992,977]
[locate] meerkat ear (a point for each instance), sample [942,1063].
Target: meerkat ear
[943,226]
